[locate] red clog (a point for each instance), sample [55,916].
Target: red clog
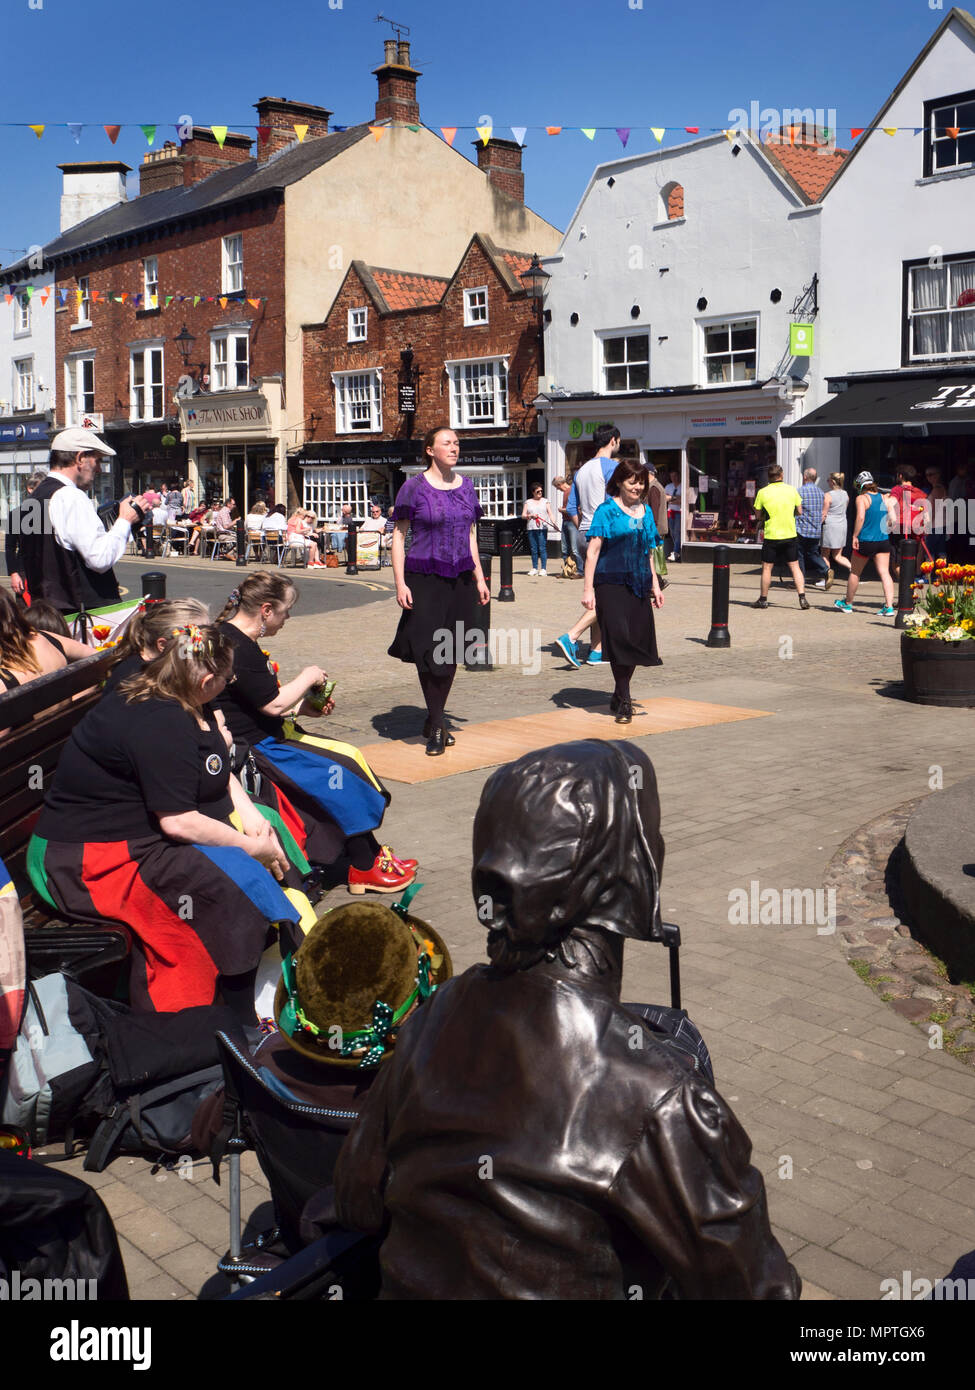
[384,877]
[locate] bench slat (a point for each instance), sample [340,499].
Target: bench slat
[20,705]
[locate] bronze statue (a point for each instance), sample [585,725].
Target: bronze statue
[529,1138]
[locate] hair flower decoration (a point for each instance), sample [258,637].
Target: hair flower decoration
[192,640]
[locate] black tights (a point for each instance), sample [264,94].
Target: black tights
[435,689]
[623,676]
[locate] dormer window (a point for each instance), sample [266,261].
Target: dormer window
[949,134]
[475,306]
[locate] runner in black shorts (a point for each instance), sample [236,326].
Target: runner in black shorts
[777,506]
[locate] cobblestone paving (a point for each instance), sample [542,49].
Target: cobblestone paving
[865,1135]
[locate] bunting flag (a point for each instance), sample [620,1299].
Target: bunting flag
[38,130]
[624,133]
[112,131]
[449,133]
[223,302]
[589,132]
[168,301]
[301,131]
[45,296]
[9,298]
[856,133]
[254,303]
[793,132]
[484,131]
[63,296]
[74,130]
[414,128]
[29,292]
[890,130]
[378,131]
[519,132]
[263,133]
[549,130]
[693,129]
[337,128]
[149,131]
[220,133]
[657,131]
[154,301]
[953,131]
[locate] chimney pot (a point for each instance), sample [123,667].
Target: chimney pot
[390,46]
[403,53]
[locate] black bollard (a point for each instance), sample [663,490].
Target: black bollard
[352,548]
[719,636]
[241,542]
[477,656]
[506,553]
[905,591]
[153,584]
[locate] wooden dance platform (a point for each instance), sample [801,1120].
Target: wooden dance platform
[502,740]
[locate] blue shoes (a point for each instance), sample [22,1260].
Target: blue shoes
[886,612]
[842,605]
[569,649]
[594,659]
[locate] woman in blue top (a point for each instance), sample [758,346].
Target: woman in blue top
[620,579]
[876,513]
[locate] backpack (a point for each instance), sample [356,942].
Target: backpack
[90,1069]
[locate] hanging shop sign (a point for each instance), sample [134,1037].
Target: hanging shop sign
[801,339]
[407,400]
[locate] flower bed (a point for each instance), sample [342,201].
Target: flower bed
[944,609]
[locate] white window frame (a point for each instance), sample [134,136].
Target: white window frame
[345,383]
[475,312]
[358,324]
[226,362]
[327,489]
[945,310]
[75,405]
[232,263]
[729,321]
[945,140]
[23,395]
[150,282]
[84,304]
[607,335]
[463,370]
[22,316]
[147,398]
[502,492]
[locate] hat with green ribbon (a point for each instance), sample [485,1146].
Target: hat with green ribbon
[353,980]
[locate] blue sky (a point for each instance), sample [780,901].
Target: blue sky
[522,62]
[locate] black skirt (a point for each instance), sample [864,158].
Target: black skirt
[626,626]
[434,633]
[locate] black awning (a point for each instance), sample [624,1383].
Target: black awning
[894,408]
[498,451]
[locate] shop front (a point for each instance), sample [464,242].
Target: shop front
[24,448]
[234,446]
[717,446]
[148,458]
[334,474]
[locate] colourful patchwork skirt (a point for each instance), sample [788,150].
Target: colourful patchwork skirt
[196,911]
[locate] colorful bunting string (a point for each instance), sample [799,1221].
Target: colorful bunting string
[122,296]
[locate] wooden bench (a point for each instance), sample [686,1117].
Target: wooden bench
[39,724]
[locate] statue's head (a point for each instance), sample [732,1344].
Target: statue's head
[565,838]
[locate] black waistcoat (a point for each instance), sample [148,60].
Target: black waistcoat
[52,572]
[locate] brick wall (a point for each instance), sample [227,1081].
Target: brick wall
[189,264]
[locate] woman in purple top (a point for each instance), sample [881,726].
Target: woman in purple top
[440,582]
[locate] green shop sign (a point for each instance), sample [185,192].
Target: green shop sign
[801,339]
[577,428]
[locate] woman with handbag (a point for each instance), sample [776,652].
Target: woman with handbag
[538,514]
[621,581]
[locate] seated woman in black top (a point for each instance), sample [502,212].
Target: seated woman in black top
[339,798]
[26,653]
[137,827]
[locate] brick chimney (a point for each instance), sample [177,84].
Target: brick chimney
[397,86]
[202,153]
[281,116]
[89,187]
[501,161]
[162,168]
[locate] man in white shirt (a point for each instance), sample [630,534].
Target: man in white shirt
[588,492]
[68,554]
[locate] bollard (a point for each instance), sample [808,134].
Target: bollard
[477,654]
[506,554]
[241,543]
[352,548]
[719,636]
[153,584]
[905,592]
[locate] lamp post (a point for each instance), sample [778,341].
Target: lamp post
[534,280]
[184,341]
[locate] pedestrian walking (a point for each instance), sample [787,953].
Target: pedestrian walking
[835,525]
[587,493]
[875,515]
[440,583]
[675,511]
[809,530]
[538,514]
[570,532]
[780,504]
[622,586]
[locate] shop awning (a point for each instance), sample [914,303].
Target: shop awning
[499,451]
[898,407]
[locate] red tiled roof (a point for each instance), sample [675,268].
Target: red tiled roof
[402,290]
[675,202]
[811,166]
[516,261]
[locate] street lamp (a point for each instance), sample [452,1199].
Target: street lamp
[184,341]
[534,280]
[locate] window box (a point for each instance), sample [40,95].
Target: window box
[939,309]
[730,351]
[478,392]
[475,306]
[625,364]
[358,402]
[944,153]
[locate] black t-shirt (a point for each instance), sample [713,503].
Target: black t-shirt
[127,764]
[122,670]
[255,685]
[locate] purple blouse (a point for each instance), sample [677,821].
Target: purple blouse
[441,524]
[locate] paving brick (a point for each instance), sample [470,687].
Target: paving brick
[862,1248]
[841,1277]
[938,1097]
[891,1223]
[858,1092]
[940,1211]
[206,1220]
[152,1232]
[120,1199]
[865,1182]
[161,1288]
[192,1265]
[921,1142]
[907,1112]
[813,1224]
[840,1112]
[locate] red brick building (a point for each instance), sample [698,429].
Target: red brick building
[400,353]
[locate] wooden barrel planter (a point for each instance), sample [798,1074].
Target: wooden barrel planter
[938,673]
